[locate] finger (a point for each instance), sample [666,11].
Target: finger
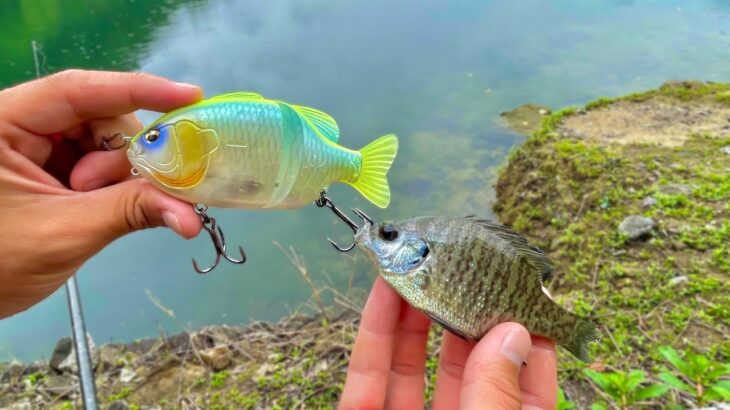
[61,101]
[94,219]
[492,370]
[63,156]
[370,363]
[452,358]
[539,379]
[106,128]
[408,367]
[98,169]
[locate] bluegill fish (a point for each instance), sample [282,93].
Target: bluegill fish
[245,151]
[469,275]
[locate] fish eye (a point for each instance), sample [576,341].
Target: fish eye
[388,232]
[152,136]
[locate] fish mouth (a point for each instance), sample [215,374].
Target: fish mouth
[361,236]
[135,150]
[364,242]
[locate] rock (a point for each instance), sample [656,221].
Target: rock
[725,150]
[64,348]
[111,357]
[127,375]
[678,280]
[13,371]
[118,405]
[636,226]
[525,119]
[648,202]
[675,189]
[63,359]
[218,358]
[179,344]
[59,385]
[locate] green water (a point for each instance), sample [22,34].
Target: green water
[436,73]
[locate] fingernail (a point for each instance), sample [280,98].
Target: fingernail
[189,86]
[171,221]
[516,346]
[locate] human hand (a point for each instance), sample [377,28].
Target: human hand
[387,366]
[62,199]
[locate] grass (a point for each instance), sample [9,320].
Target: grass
[568,196]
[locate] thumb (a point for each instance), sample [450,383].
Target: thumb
[492,371]
[132,205]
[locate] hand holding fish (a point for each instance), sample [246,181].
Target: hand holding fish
[62,199]
[388,361]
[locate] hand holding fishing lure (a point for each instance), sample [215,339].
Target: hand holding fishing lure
[62,199]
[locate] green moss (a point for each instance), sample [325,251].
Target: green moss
[120,395]
[218,380]
[599,103]
[35,378]
[584,190]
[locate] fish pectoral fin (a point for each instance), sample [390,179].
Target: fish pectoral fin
[322,122]
[242,95]
[534,255]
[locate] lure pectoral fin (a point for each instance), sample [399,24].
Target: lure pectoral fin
[377,157]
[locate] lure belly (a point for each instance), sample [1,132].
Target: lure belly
[242,150]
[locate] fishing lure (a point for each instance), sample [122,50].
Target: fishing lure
[469,275]
[242,150]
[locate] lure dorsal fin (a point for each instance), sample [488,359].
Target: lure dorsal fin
[321,121]
[533,254]
[243,95]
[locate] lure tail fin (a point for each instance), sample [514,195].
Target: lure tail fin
[377,157]
[583,334]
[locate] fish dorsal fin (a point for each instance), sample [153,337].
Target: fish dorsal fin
[321,121]
[533,254]
[241,95]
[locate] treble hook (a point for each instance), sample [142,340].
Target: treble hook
[219,241]
[106,142]
[325,201]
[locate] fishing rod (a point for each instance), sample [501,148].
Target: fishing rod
[78,326]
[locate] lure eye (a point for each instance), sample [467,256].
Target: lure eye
[152,136]
[388,232]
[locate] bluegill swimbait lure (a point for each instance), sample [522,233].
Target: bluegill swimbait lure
[242,150]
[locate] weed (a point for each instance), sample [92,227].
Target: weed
[625,388]
[699,376]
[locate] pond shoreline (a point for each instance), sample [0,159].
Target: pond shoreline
[569,188]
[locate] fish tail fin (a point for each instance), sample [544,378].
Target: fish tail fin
[377,157]
[584,332]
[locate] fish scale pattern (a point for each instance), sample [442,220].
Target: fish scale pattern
[478,275]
